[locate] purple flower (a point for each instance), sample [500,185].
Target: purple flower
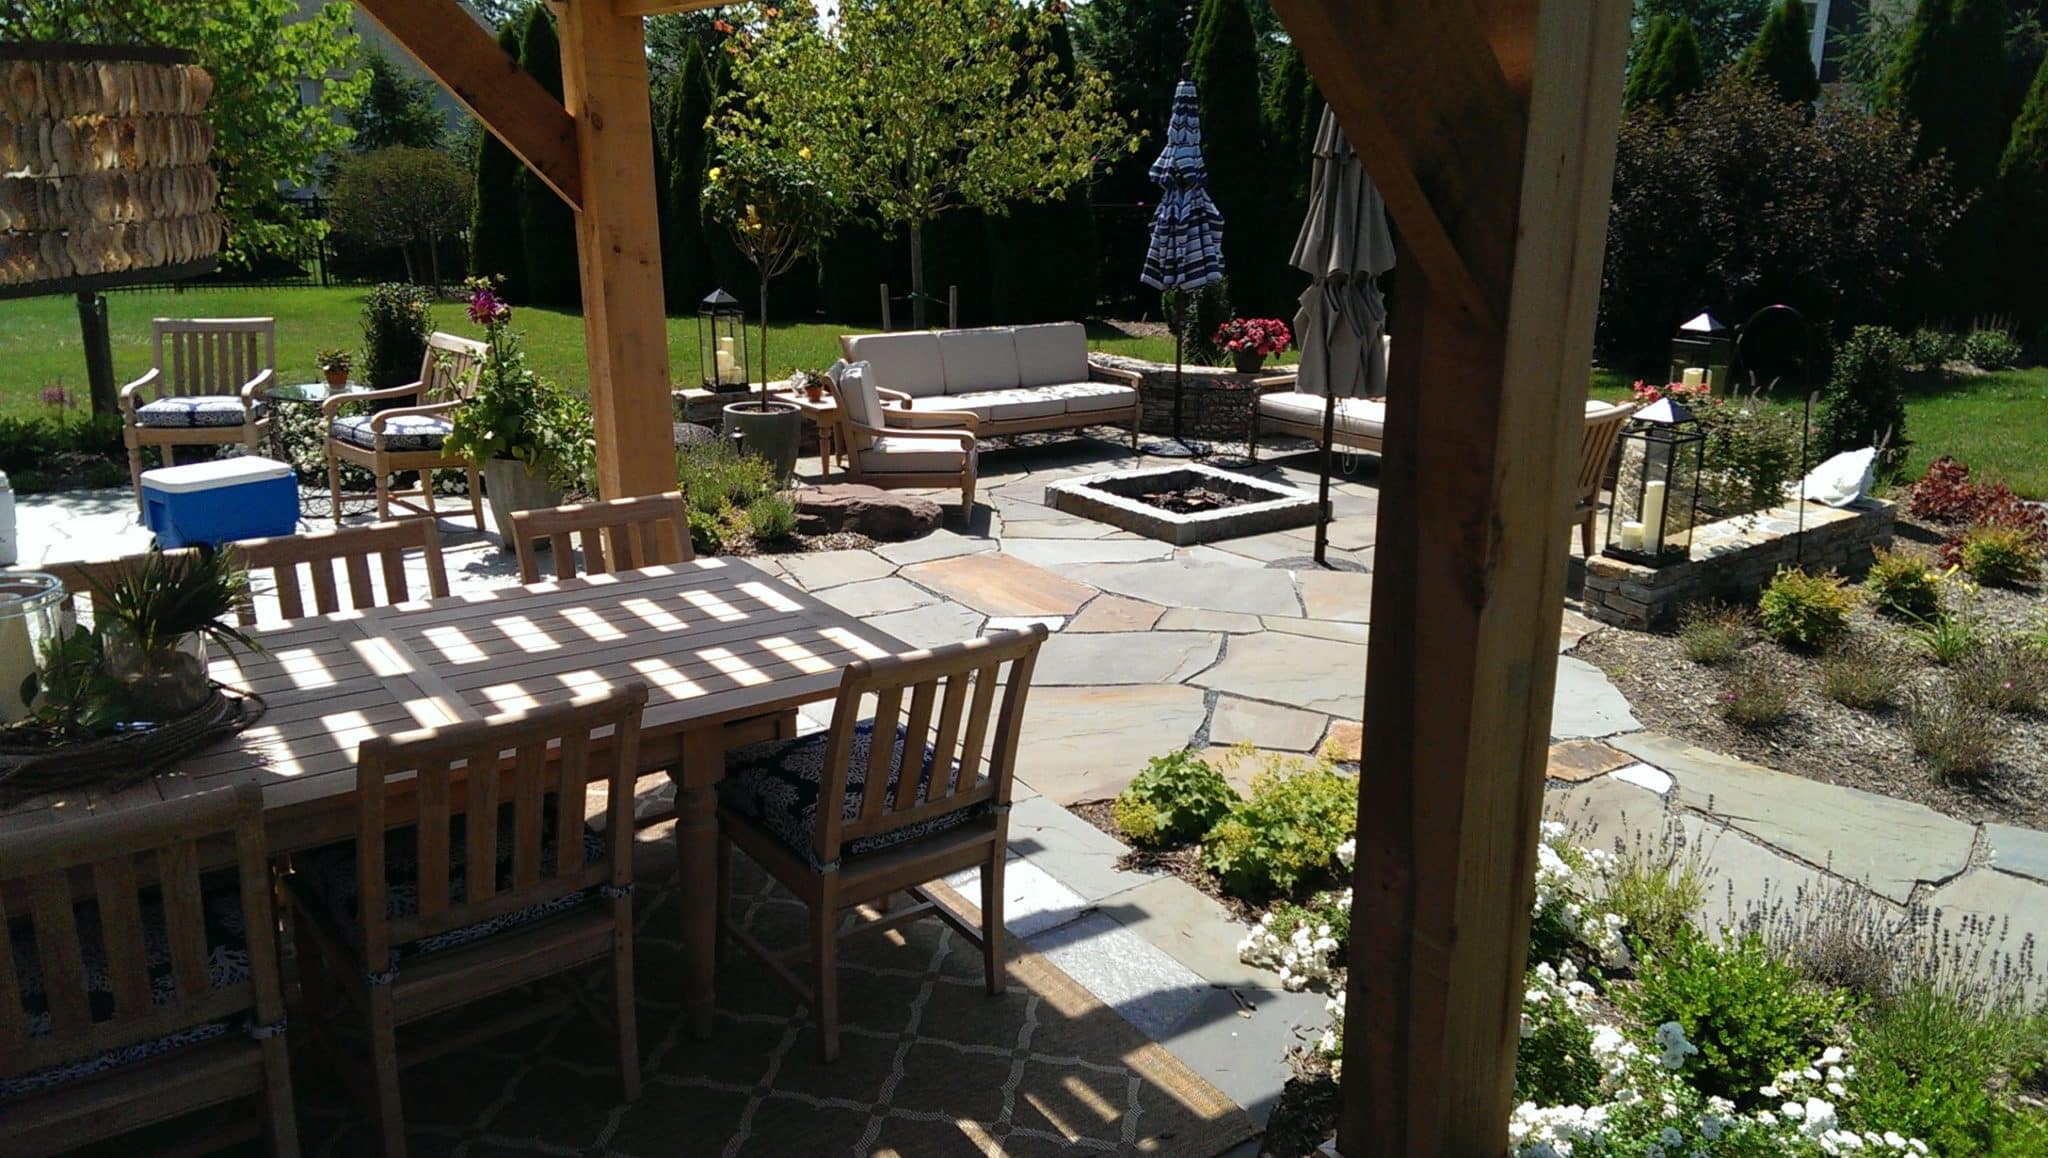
[485,307]
[55,395]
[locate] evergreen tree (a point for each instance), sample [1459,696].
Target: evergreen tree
[397,110]
[1225,59]
[684,103]
[1668,66]
[546,224]
[1041,256]
[1645,56]
[2023,200]
[497,247]
[1781,56]
[1947,78]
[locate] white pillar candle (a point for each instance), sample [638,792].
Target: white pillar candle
[1631,536]
[1653,517]
[1694,376]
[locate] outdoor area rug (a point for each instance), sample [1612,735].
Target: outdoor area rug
[929,1064]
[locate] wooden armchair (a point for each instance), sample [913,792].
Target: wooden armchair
[1596,454]
[617,535]
[353,549]
[892,448]
[155,996]
[408,438]
[800,809]
[472,873]
[204,388]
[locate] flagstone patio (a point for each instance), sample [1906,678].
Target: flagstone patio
[1156,648]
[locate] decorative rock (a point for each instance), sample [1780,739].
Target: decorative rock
[866,510]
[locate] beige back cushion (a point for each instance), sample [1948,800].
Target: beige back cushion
[1052,353]
[908,362]
[857,394]
[976,360]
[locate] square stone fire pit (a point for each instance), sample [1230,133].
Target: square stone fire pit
[1117,498]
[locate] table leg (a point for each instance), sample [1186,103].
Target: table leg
[697,863]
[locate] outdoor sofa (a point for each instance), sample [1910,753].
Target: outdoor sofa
[1013,379]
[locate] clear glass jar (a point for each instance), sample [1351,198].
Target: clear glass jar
[160,683]
[32,613]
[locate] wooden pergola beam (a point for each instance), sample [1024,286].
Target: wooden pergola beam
[663,7]
[458,52]
[1490,130]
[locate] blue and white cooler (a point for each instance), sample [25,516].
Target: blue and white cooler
[216,502]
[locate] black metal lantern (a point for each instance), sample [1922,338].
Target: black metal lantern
[1705,346]
[1657,486]
[722,343]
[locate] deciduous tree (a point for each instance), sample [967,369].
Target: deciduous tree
[403,197]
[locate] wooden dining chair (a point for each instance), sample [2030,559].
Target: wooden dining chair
[350,551]
[472,872]
[155,995]
[204,389]
[617,535]
[1596,454]
[800,809]
[408,438]
[84,577]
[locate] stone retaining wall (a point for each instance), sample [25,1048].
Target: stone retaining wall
[1735,558]
[1215,401]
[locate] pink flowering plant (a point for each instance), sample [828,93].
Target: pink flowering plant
[1265,336]
[515,413]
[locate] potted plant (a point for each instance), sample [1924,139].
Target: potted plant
[530,437]
[335,363]
[810,383]
[778,207]
[154,623]
[1251,341]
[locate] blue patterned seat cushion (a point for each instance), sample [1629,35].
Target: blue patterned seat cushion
[192,410]
[327,878]
[406,432]
[227,961]
[776,784]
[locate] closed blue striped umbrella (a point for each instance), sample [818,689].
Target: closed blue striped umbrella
[1186,250]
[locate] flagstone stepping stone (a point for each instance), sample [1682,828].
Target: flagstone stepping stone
[1319,628]
[1599,812]
[1018,528]
[1271,546]
[1574,628]
[822,569]
[1320,675]
[1114,657]
[1180,583]
[1586,704]
[932,625]
[1058,554]
[1239,721]
[1087,743]
[1887,845]
[1190,619]
[1579,760]
[1345,596]
[877,597]
[996,584]
[1115,613]
[937,545]
[2000,912]
[2021,851]
[1745,878]
[1205,555]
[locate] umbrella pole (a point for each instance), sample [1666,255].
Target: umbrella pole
[1323,501]
[1179,325]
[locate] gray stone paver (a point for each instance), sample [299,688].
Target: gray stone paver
[1229,622]
[1318,674]
[820,570]
[2020,851]
[877,596]
[2006,914]
[940,544]
[1117,657]
[1345,596]
[1251,590]
[1238,721]
[1056,554]
[1086,743]
[1115,613]
[1587,705]
[932,625]
[1320,629]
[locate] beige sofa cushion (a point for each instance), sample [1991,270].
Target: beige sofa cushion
[977,360]
[998,405]
[1356,417]
[908,362]
[891,455]
[855,387]
[1052,353]
[1088,397]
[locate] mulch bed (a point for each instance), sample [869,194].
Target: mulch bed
[1184,862]
[1306,1114]
[800,544]
[1823,740]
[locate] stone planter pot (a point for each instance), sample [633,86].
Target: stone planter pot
[510,486]
[771,431]
[1248,361]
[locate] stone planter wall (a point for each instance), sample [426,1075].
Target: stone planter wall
[1216,401]
[1734,559]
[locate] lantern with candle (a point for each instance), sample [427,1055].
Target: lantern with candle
[1702,351]
[721,343]
[1656,489]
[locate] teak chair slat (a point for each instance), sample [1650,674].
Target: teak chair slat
[126,856]
[486,764]
[1596,453]
[962,681]
[616,535]
[294,560]
[84,578]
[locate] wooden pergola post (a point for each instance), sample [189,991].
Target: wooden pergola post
[1489,128]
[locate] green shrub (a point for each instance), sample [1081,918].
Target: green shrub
[1656,885]
[1750,1014]
[1751,453]
[1864,403]
[772,517]
[1286,835]
[1903,587]
[1804,611]
[396,323]
[2007,675]
[2000,556]
[1860,674]
[1755,695]
[1956,738]
[1176,799]
[707,532]
[1713,633]
[1951,638]
[1936,1067]
[1932,349]
[1989,349]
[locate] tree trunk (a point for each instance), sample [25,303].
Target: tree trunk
[764,336]
[405,251]
[917,274]
[434,261]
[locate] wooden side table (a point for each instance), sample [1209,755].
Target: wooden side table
[823,414]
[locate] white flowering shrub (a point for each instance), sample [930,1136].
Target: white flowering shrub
[1304,944]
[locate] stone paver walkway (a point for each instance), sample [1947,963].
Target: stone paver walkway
[1157,648]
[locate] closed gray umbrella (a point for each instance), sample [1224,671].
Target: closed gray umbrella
[1344,245]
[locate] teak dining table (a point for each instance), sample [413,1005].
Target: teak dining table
[724,647]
